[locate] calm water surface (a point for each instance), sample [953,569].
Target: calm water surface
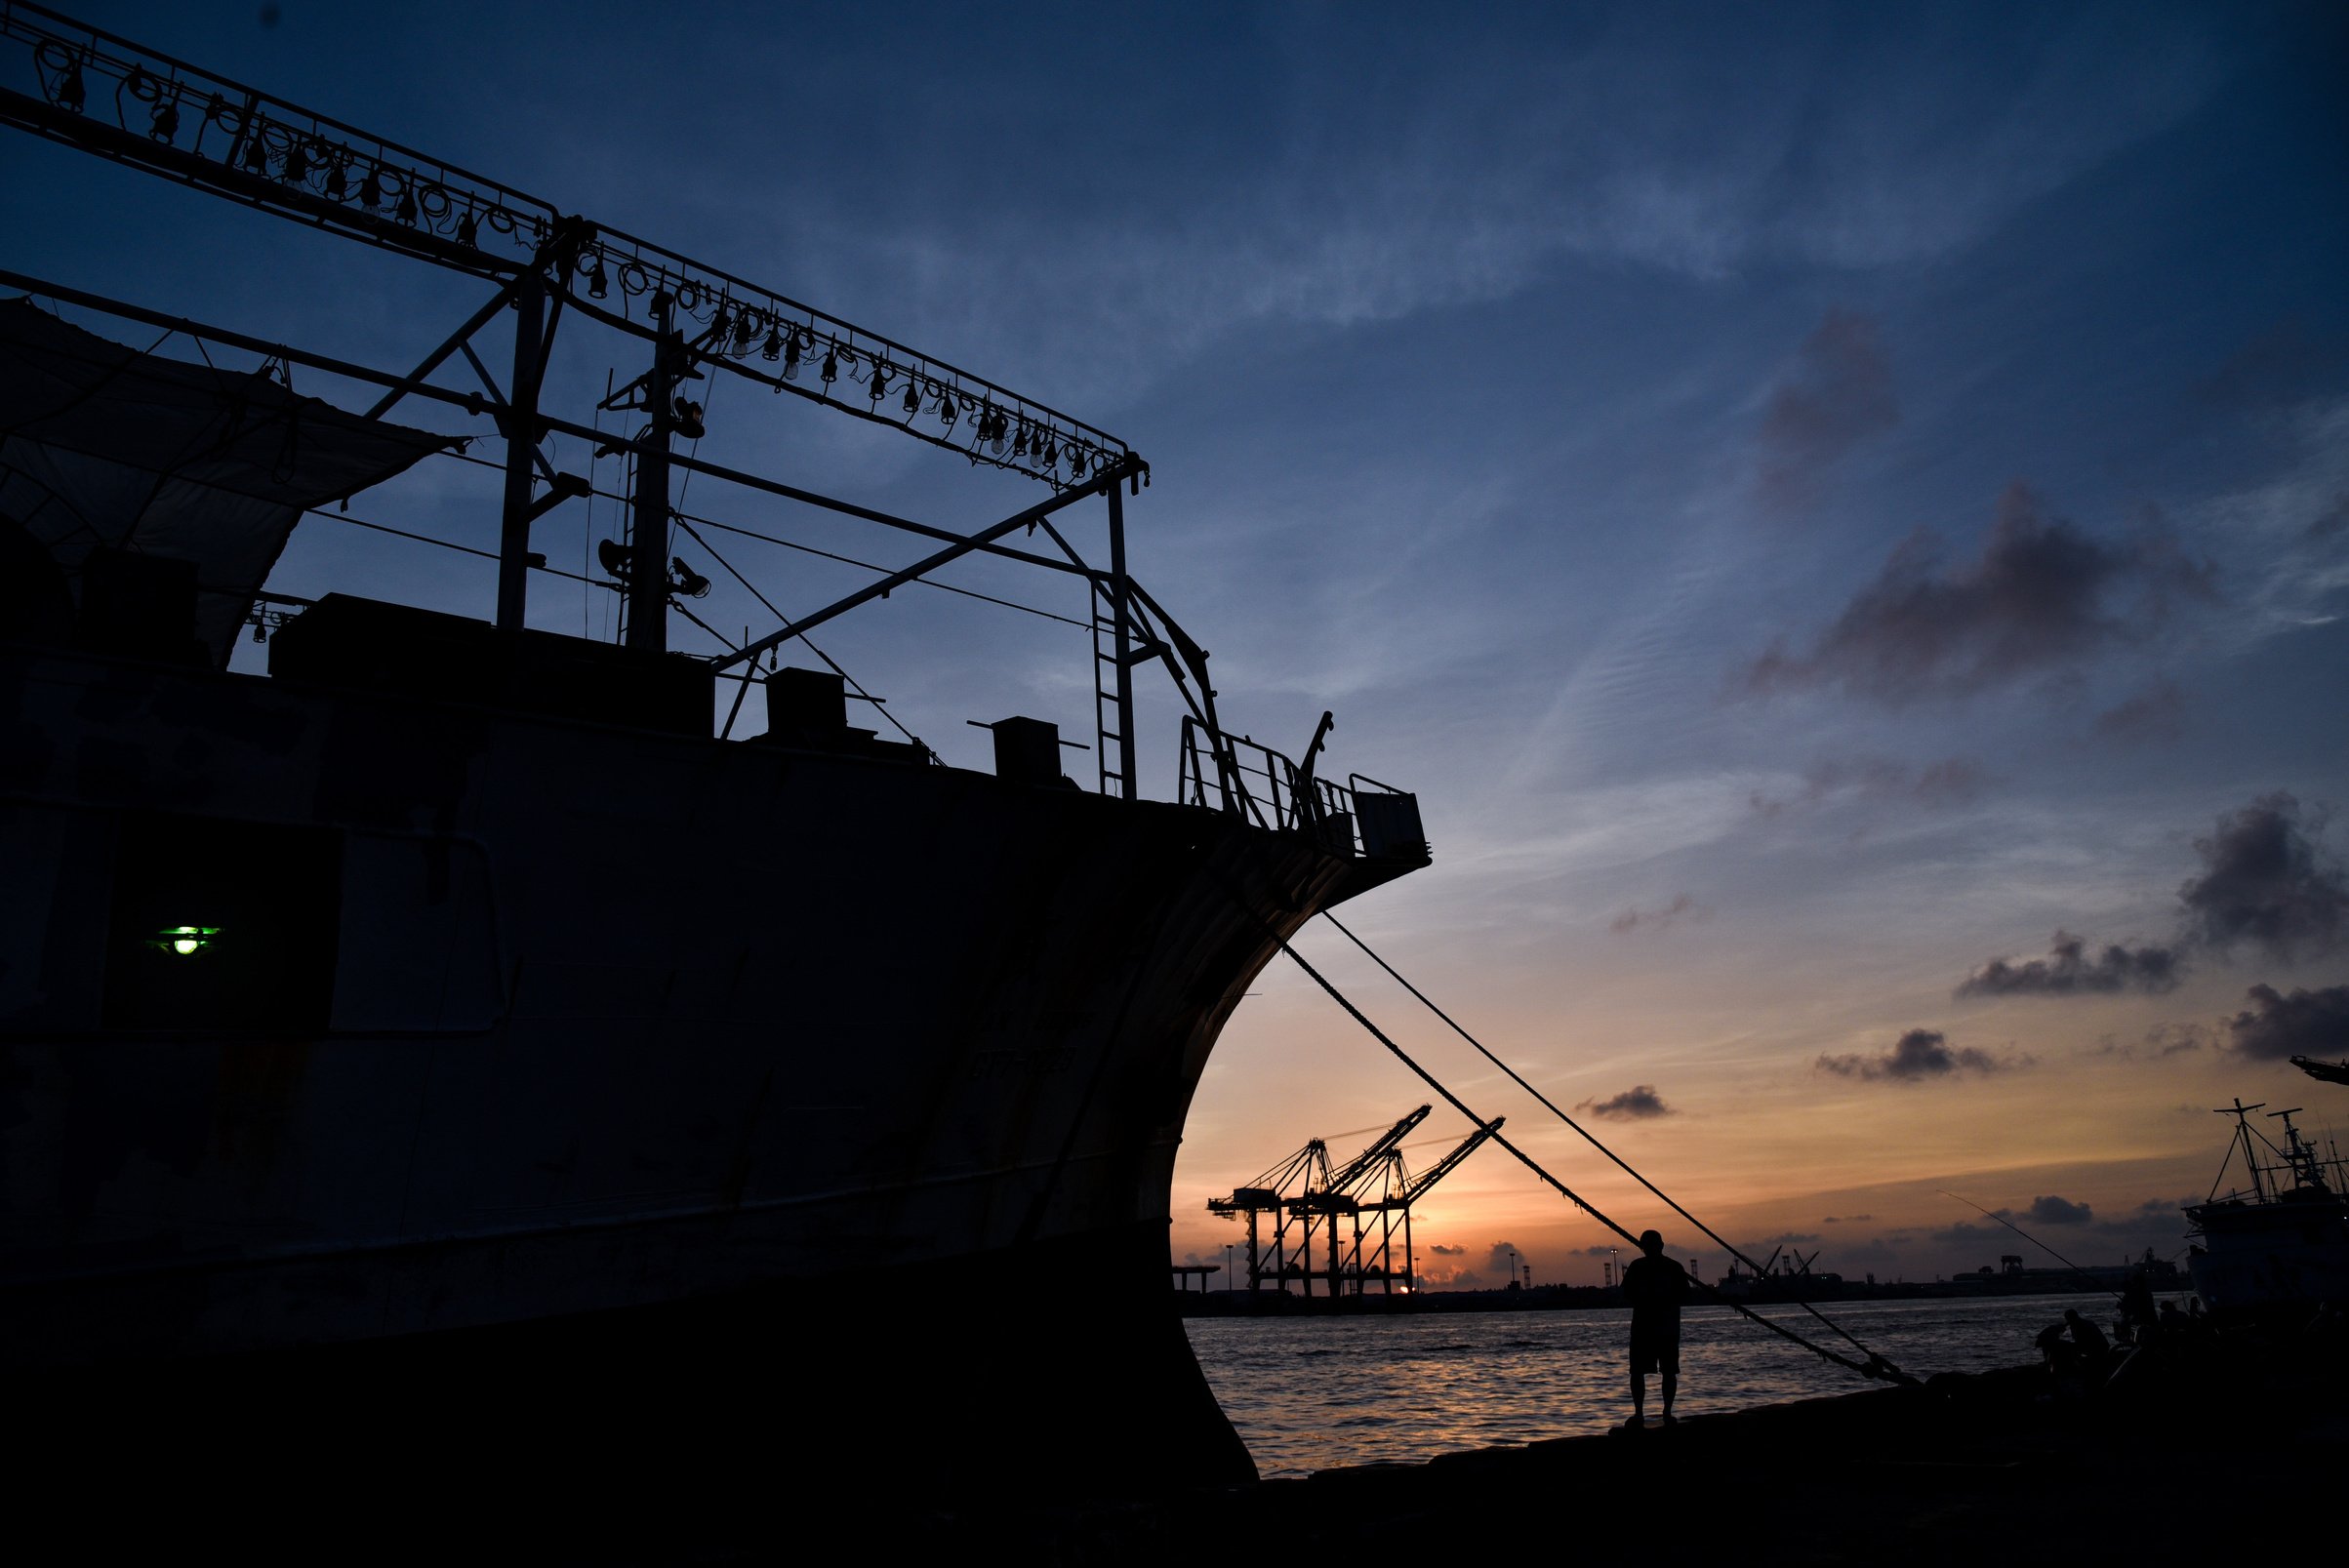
[1309,1394]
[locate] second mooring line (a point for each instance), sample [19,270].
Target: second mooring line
[1876,1365]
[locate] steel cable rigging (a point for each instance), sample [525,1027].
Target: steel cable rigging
[1585,1133]
[594,492]
[1876,1365]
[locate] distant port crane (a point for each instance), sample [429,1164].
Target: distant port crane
[1303,1194]
[1401,1189]
[1307,1198]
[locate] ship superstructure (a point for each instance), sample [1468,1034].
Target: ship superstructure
[2280,1239]
[459,977]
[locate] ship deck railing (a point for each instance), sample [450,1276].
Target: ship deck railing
[1215,770]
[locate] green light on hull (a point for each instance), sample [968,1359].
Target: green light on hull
[186,940]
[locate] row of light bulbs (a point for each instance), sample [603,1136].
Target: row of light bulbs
[310,161]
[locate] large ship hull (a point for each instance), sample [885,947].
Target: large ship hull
[565,1022]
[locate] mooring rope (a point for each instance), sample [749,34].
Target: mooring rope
[1587,1136]
[1875,1366]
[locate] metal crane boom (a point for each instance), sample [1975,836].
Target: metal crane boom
[1349,1175]
[1443,1167]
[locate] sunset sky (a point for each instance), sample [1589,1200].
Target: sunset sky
[1840,513]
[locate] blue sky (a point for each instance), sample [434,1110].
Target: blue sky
[1815,500]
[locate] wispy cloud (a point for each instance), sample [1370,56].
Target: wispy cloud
[1950,781]
[2155,712]
[1682,908]
[2159,1043]
[1838,393]
[1385,190]
[2287,363]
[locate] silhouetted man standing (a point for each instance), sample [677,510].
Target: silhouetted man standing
[1654,1286]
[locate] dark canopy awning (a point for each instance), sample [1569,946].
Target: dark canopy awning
[103,446]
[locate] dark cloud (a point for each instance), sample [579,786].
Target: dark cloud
[1951,781]
[2166,1206]
[1845,1219]
[2155,714]
[2052,1210]
[1682,908]
[2160,1042]
[1839,394]
[1504,1258]
[1442,1251]
[1861,1251]
[1638,1103]
[1600,1252]
[2304,1024]
[2332,520]
[2068,970]
[2285,364]
[2268,884]
[2042,596]
[1916,1057]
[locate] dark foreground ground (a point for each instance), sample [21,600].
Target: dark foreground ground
[2240,1448]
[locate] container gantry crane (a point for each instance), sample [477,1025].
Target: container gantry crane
[1304,1194]
[1399,1190]
[1303,1191]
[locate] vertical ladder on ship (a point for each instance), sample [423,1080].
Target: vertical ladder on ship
[1121,641]
[1112,682]
[1116,650]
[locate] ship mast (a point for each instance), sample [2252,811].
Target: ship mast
[2306,1161]
[648,564]
[2243,1139]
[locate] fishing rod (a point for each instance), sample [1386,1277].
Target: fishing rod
[2028,1236]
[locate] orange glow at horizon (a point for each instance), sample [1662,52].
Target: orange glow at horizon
[1754,1137]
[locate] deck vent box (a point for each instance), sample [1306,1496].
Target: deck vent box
[1390,827]
[400,651]
[1026,750]
[806,699]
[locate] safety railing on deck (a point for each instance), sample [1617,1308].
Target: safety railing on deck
[1242,776]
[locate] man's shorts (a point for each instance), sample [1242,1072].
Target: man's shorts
[1652,1352]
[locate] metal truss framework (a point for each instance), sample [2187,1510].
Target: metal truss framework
[94,91]
[105,94]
